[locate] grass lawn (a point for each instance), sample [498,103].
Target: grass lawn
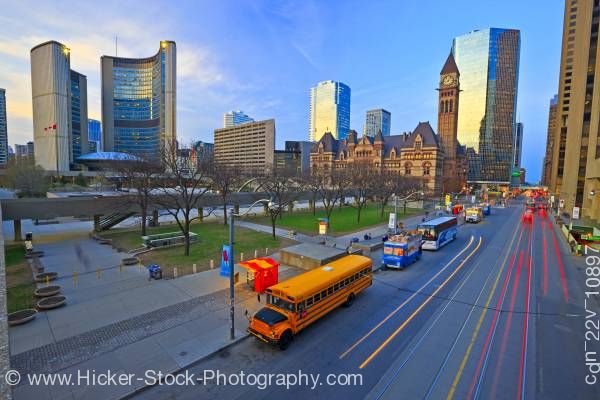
[19,279]
[211,237]
[342,220]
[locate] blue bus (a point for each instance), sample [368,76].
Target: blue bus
[437,232]
[401,250]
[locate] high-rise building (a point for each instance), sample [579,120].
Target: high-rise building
[329,110]
[79,119]
[455,168]
[139,102]
[488,61]
[575,175]
[250,145]
[518,146]
[547,164]
[378,120]
[59,97]
[21,150]
[3,129]
[304,148]
[233,118]
[94,135]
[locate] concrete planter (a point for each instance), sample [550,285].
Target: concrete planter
[48,303]
[46,276]
[130,261]
[34,254]
[21,317]
[47,291]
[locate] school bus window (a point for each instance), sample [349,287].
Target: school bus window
[280,303]
[323,293]
[330,291]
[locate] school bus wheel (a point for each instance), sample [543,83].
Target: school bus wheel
[285,339]
[350,300]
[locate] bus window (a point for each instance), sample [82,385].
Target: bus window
[428,233]
[280,303]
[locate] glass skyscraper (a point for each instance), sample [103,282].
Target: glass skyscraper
[3,129]
[378,120]
[138,102]
[329,110]
[94,135]
[233,118]
[79,124]
[488,61]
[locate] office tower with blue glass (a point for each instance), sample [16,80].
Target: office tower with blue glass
[3,129]
[79,120]
[378,120]
[139,102]
[488,61]
[329,110]
[94,135]
[59,99]
[233,118]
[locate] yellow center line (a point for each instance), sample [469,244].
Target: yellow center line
[463,362]
[417,292]
[431,297]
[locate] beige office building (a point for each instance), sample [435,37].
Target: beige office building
[251,145]
[575,176]
[59,97]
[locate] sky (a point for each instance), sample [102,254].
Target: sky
[262,57]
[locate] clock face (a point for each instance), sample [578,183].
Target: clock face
[448,80]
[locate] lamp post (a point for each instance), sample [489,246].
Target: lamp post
[396,205]
[232,216]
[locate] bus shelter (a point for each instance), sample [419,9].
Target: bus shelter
[261,273]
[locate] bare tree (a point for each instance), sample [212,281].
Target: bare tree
[183,183]
[281,187]
[332,188]
[311,182]
[363,178]
[225,178]
[26,177]
[141,174]
[393,183]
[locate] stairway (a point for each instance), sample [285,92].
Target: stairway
[111,220]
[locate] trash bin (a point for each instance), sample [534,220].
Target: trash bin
[154,272]
[29,236]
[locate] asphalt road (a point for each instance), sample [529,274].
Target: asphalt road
[498,313]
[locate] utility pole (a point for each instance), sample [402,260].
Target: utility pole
[231,277]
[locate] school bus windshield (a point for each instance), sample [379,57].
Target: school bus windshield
[280,303]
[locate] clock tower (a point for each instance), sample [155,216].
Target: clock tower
[449,90]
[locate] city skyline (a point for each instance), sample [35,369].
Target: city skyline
[251,83]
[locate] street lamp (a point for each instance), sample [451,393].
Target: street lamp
[232,214]
[404,198]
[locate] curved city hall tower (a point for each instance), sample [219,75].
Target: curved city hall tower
[59,97]
[449,90]
[138,102]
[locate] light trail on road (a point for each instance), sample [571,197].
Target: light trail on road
[475,334]
[418,310]
[405,302]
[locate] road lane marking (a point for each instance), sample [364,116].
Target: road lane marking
[429,329]
[525,343]
[460,371]
[545,259]
[405,302]
[489,340]
[560,267]
[410,318]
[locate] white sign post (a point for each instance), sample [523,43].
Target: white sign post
[392,221]
[575,212]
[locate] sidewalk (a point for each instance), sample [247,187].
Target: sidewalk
[279,232]
[125,323]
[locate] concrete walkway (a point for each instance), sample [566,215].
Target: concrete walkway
[279,232]
[165,339]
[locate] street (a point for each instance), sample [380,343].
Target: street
[497,313]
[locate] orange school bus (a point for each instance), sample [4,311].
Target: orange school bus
[294,304]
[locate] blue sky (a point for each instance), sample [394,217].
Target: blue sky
[263,56]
